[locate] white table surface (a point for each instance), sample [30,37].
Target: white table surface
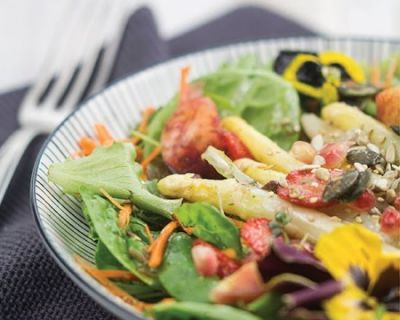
[26,26]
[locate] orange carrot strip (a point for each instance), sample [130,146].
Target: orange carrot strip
[158,247]
[188,230]
[87,145]
[391,72]
[144,122]
[139,153]
[145,163]
[103,135]
[375,75]
[124,215]
[183,87]
[117,274]
[111,199]
[148,233]
[114,289]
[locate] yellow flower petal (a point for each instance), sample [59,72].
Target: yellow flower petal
[349,245]
[346,305]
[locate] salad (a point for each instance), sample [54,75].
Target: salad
[257,192]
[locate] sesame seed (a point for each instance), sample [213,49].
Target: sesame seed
[358,219]
[360,167]
[322,173]
[313,199]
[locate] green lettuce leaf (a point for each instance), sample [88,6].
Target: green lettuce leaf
[261,97]
[113,169]
[211,225]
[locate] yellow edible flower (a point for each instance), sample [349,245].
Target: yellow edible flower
[371,277]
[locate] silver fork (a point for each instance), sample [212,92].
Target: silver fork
[65,75]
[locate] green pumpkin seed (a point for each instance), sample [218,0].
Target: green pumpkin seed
[336,189]
[364,155]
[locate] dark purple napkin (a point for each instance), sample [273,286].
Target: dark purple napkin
[32,286]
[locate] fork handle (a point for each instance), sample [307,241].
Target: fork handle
[10,155]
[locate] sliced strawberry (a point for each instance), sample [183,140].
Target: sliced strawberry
[305,189]
[334,154]
[390,222]
[396,203]
[205,259]
[233,147]
[210,261]
[364,202]
[244,285]
[257,234]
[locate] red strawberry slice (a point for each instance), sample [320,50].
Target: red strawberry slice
[257,234]
[210,261]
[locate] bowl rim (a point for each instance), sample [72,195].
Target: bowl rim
[122,310]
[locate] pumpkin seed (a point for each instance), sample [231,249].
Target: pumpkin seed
[363,155]
[336,189]
[359,187]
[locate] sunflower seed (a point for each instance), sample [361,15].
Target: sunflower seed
[322,173]
[318,160]
[373,147]
[390,154]
[317,142]
[390,196]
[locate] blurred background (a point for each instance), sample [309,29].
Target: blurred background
[26,26]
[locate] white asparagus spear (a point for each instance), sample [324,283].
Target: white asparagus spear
[246,201]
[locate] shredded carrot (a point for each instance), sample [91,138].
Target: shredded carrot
[144,122]
[111,199]
[148,233]
[158,246]
[183,88]
[139,153]
[230,253]
[188,230]
[391,72]
[145,163]
[117,274]
[114,289]
[124,215]
[375,75]
[87,145]
[103,135]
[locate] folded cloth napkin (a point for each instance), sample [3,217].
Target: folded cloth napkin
[32,286]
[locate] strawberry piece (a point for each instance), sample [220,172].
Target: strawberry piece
[364,202]
[210,261]
[233,147]
[257,234]
[390,222]
[305,189]
[396,203]
[334,154]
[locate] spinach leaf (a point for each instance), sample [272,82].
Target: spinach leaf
[142,291]
[178,274]
[105,259]
[199,311]
[105,220]
[267,306]
[261,97]
[209,224]
[113,169]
